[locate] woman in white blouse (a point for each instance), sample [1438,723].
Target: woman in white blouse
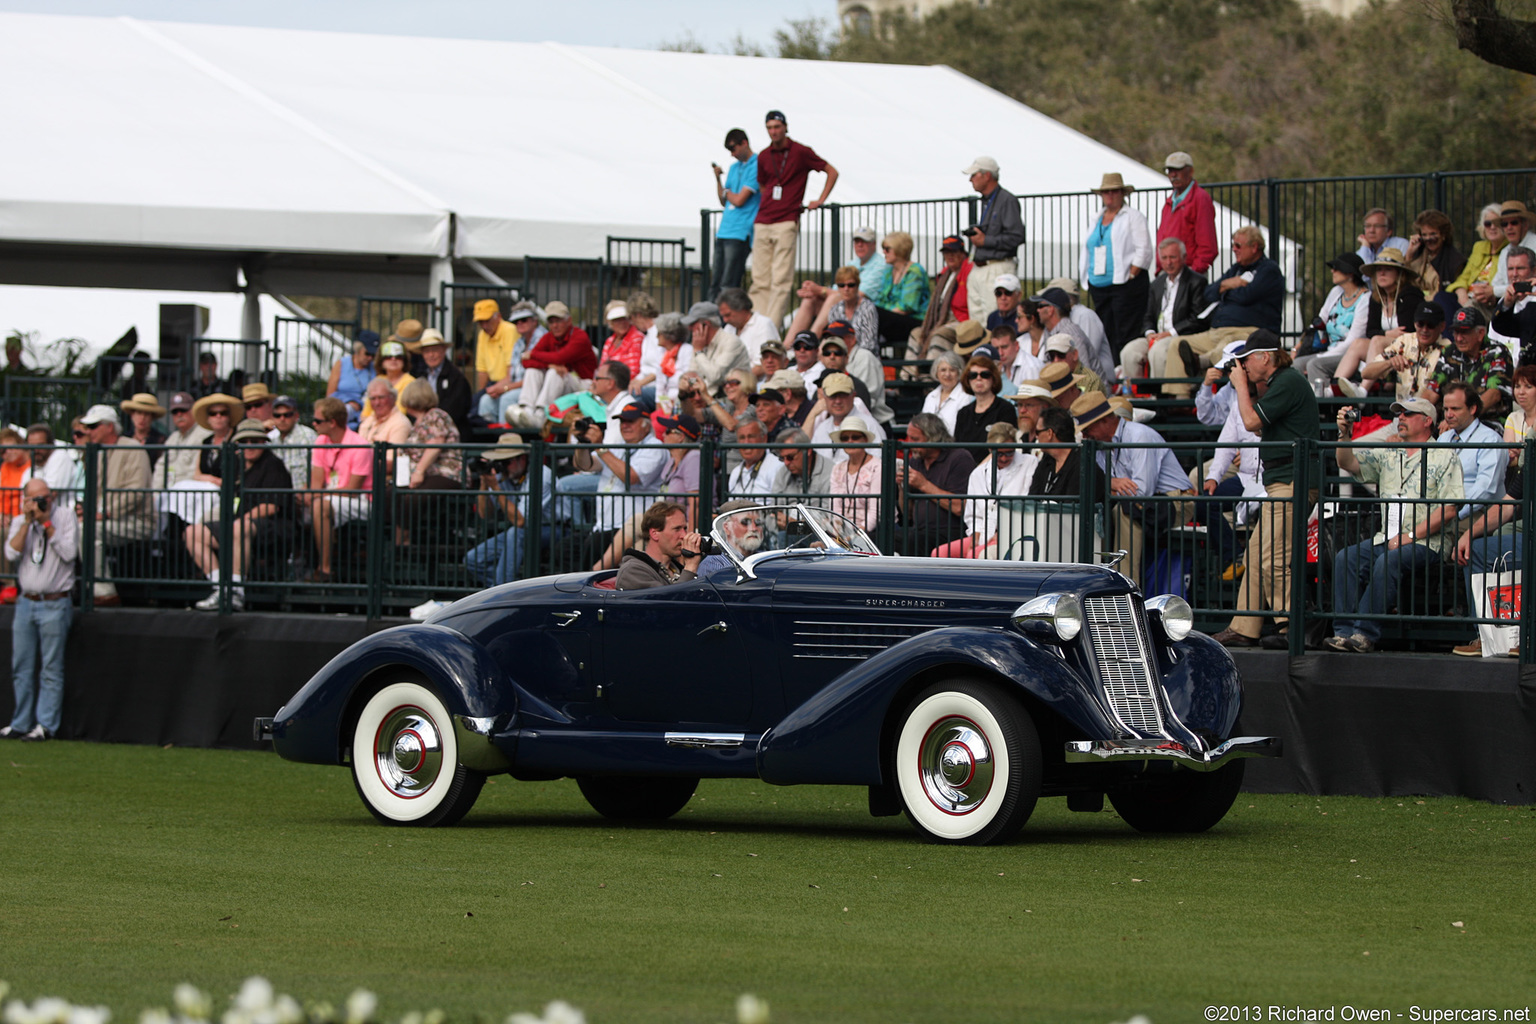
[949,397]
[1116,255]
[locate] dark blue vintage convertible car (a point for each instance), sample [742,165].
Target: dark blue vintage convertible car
[958,691]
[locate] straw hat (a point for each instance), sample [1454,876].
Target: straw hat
[407,332]
[142,402]
[1113,183]
[1090,407]
[851,425]
[255,393]
[1391,257]
[1056,378]
[508,446]
[250,431]
[1515,208]
[202,405]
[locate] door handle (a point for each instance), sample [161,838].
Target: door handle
[718,627]
[566,618]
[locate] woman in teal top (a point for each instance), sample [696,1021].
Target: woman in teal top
[904,291]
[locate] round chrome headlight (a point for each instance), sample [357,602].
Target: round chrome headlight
[1052,618]
[1172,615]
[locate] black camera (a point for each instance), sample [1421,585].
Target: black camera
[968,232]
[707,546]
[1351,414]
[479,466]
[1520,287]
[583,425]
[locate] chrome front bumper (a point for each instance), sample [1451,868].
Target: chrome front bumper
[1087,751]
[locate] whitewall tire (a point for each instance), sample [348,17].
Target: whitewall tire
[405,759]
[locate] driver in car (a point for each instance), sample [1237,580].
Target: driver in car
[744,532]
[671,553]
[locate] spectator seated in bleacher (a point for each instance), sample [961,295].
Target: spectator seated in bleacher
[503,496]
[258,404]
[218,414]
[1004,472]
[350,376]
[772,358]
[673,355]
[185,441]
[805,475]
[1248,295]
[947,397]
[143,410]
[626,477]
[1515,316]
[1015,365]
[1474,358]
[643,312]
[716,348]
[1482,469]
[1059,349]
[1134,473]
[1434,258]
[751,327]
[1421,489]
[843,301]
[290,439]
[1059,472]
[838,401]
[931,482]
[609,397]
[1096,353]
[391,360]
[1339,322]
[52,462]
[1378,232]
[499,353]
[559,363]
[901,301]
[1052,306]
[758,467]
[857,473]
[1474,285]
[341,481]
[207,382]
[624,343]
[840,355]
[1517,222]
[125,512]
[1030,400]
[1395,300]
[1174,302]
[721,418]
[263,517]
[984,383]
[1057,380]
[1408,364]
[949,302]
[446,380]
[432,469]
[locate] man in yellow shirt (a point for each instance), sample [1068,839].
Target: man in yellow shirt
[493,346]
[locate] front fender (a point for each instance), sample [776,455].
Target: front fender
[834,737]
[465,677]
[1202,685]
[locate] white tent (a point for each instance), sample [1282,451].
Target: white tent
[146,152]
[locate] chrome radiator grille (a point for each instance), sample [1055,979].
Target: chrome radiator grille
[851,641]
[1120,652]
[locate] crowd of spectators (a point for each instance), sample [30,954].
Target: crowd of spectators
[1011,379]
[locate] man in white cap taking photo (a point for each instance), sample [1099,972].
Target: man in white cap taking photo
[995,238]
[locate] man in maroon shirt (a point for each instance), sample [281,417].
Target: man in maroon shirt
[782,170]
[560,361]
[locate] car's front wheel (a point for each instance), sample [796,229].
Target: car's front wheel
[627,798]
[405,759]
[1183,801]
[967,763]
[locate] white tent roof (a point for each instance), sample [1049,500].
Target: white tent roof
[122,132]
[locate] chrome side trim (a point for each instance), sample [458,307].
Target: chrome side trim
[705,740]
[476,750]
[1090,751]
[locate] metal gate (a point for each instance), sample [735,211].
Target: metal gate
[237,362]
[382,314]
[302,354]
[657,266]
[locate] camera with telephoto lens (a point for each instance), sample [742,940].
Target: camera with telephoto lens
[583,425]
[479,466]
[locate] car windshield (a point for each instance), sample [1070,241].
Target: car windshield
[742,533]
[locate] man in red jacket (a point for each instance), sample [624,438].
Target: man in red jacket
[560,361]
[1188,214]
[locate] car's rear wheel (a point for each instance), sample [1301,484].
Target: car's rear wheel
[627,798]
[967,763]
[1183,801]
[405,759]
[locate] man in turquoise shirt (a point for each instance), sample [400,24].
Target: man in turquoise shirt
[738,193]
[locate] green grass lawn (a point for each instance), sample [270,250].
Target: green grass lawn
[124,870]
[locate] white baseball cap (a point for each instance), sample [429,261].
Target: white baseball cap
[1008,282]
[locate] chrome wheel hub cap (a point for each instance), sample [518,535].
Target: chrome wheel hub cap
[408,752]
[956,765]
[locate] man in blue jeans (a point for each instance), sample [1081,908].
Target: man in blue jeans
[504,494]
[44,541]
[737,192]
[1420,489]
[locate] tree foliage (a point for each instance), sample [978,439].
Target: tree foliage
[1253,89]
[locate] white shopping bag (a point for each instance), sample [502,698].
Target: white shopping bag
[1497,596]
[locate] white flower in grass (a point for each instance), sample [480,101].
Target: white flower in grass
[192,1002]
[236,1017]
[89,1015]
[321,1012]
[16,1012]
[255,994]
[751,1010]
[361,1005]
[562,1012]
[435,1017]
[156,1015]
[525,1018]
[50,1010]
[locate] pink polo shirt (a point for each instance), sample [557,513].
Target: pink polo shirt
[340,462]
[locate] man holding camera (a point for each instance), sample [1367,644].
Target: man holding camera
[1516,317]
[672,552]
[44,541]
[502,472]
[995,239]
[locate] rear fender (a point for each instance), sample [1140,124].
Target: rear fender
[311,726]
[835,737]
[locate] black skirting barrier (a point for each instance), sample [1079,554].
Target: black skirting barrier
[1368,725]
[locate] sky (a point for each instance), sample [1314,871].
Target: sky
[101,316]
